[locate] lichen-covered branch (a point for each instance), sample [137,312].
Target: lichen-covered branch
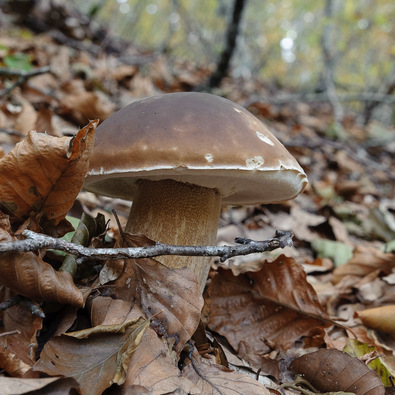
[35,241]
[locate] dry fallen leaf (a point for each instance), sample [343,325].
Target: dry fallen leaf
[374,358]
[96,357]
[18,343]
[212,379]
[26,119]
[123,71]
[27,274]
[273,307]
[379,318]
[48,385]
[299,221]
[42,176]
[12,364]
[158,289]
[365,260]
[84,106]
[333,370]
[44,122]
[154,370]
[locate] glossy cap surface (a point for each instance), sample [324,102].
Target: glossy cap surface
[197,138]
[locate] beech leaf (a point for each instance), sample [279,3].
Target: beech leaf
[272,307]
[157,288]
[365,260]
[367,352]
[334,371]
[212,379]
[27,274]
[42,176]
[152,367]
[96,357]
[17,348]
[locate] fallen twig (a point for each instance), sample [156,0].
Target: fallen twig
[35,241]
[16,299]
[22,76]
[13,301]
[10,333]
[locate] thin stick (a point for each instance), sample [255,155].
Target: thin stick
[35,241]
[22,76]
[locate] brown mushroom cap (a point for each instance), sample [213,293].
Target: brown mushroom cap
[196,138]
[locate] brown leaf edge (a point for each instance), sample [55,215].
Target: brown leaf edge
[26,273]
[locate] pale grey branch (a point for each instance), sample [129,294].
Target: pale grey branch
[35,241]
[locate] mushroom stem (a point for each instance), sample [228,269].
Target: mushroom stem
[172,212]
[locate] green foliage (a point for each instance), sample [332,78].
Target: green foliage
[390,247]
[74,222]
[85,229]
[339,252]
[18,61]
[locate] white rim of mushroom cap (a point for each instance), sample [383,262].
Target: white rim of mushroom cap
[196,138]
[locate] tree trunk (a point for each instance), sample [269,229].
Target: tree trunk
[231,37]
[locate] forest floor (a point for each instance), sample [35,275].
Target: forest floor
[332,290]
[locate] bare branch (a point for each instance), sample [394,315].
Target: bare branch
[10,333]
[35,241]
[227,53]
[22,76]
[13,301]
[23,73]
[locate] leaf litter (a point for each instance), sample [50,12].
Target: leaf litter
[260,312]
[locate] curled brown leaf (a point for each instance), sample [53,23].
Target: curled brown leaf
[18,341]
[27,274]
[42,175]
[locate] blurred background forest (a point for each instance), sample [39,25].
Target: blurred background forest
[290,43]
[320,74]
[335,51]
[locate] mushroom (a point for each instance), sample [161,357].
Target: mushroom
[180,157]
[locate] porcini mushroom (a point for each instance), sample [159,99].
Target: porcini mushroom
[180,157]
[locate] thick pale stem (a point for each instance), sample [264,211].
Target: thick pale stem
[172,212]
